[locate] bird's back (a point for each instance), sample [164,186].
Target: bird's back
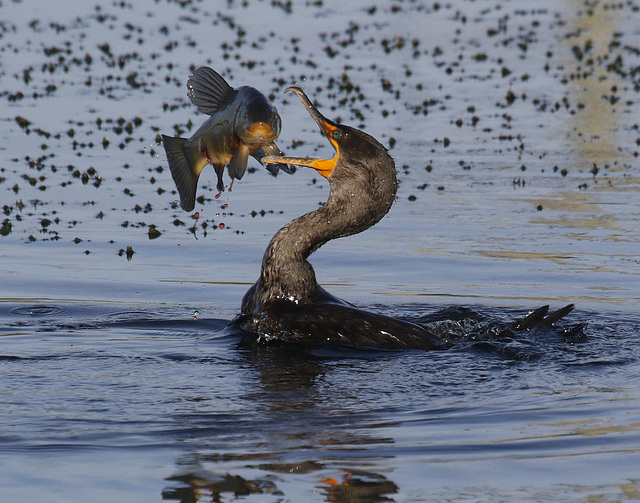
[329,324]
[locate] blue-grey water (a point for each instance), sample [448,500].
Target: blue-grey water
[514,126]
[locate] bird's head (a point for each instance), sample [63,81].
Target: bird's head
[353,147]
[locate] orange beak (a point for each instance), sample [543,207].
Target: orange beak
[323,166]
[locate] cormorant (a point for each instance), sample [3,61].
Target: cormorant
[286,303]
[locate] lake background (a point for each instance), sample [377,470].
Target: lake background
[515,131]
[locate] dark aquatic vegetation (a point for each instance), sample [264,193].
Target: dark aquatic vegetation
[242,122]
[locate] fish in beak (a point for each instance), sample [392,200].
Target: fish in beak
[242,123]
[328,128]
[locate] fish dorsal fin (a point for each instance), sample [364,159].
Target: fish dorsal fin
[209,91]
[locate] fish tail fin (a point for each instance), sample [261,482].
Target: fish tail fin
[183,175]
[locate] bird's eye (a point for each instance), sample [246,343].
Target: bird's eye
[337,134]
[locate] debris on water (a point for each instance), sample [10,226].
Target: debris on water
[128,252]
[153,232]
[5,230]
[23,123]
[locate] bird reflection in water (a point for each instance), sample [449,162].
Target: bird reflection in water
[344,487]
[293,412]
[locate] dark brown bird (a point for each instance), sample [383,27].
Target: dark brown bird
[286,303]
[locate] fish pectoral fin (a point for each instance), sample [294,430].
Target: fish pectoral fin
[238,163]
[271,168]
[183,174]
[284,167]
[258,154]
[209,91]
[272,149]
[219,169]
[274,168]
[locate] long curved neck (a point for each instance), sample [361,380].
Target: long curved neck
[361,194]
[286,273]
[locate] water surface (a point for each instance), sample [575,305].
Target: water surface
[516,139]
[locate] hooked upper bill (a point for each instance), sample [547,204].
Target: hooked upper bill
[323,166]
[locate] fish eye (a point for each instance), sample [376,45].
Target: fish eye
[337,134]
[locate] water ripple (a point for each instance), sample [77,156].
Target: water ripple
[36,310]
